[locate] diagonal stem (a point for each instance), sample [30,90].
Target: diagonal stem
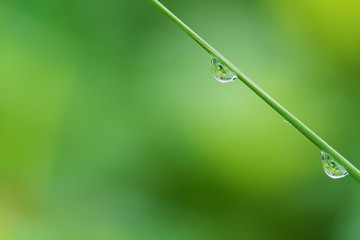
[307,132]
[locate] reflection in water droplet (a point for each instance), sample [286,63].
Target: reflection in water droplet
[285,121]
[331,167]
[221,72]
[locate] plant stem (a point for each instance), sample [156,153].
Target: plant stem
[307,132]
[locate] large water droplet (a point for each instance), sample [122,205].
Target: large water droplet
[221,72]
[331,167]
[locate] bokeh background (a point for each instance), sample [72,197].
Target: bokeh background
[112,127]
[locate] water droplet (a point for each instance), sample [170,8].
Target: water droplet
[285,121]
[331,167]
[220,71]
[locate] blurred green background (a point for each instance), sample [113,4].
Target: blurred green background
[112,126]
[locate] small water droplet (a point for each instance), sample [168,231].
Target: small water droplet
[331,167]
[285,121]
[220,71]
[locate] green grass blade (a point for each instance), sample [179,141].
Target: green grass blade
[307,132]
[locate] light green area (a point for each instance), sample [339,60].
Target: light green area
[112,126]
